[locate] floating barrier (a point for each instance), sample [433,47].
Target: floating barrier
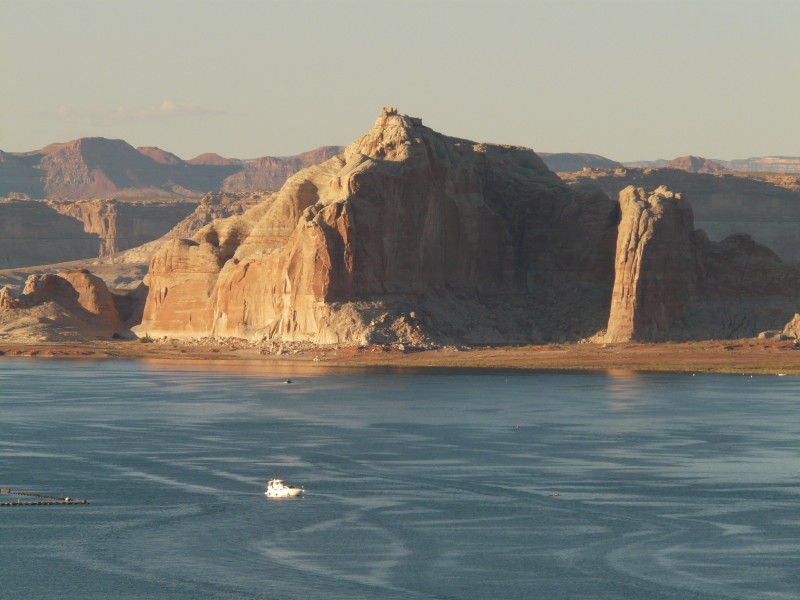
[43,499]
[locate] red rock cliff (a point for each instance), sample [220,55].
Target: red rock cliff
[484,238]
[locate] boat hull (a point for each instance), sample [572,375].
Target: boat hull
[285,493]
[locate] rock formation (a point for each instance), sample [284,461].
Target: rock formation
[766,207]
[672,283]
[33,233]
[70,305]
[792,328]
[8,300]
[479,242]
[122,225]
[213,206]
[655,270]
[77,290]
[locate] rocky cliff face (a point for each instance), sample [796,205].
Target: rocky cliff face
[33,233]
[36,232]
[123,225]
[672,283]
[476,241]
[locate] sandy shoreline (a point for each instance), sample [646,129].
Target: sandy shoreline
[749,356]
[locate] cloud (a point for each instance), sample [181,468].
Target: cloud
[167,109]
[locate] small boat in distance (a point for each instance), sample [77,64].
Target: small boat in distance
[277,488]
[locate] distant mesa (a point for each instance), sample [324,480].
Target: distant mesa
[566,162]
[695,164]
[765,164]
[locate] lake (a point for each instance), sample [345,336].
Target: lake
[419,484]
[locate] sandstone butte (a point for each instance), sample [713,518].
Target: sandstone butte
[413,236]
[408,235]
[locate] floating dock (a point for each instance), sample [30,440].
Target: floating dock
[41,499]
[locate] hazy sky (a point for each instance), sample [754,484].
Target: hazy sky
[628,79]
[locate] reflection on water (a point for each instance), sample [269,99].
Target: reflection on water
[419,485]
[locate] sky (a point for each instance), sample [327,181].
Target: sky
[627,79]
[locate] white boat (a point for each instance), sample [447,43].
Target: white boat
[277,488]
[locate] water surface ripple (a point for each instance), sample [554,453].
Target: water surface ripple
[419,485]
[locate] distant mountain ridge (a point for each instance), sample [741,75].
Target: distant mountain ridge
[763,164]
[98,167]
[572,162]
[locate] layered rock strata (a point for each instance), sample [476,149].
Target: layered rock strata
[33,233]
[123,225]
[408,234]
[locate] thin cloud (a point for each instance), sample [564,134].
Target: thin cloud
[167,109]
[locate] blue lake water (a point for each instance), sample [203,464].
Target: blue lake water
[419,485]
